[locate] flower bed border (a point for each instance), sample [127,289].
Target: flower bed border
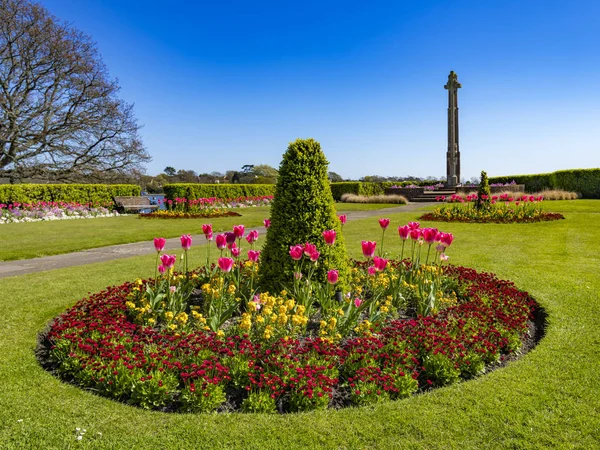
[182,215]
[545,217]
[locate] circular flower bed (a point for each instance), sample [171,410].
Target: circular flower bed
[207,340]
[491,209]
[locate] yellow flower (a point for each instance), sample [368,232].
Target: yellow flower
[322,324]
[220,333]
[169,315]
[231,289]
[332,323]
[130,305]
[182,318]
[151,321]
[173,326]
[260,319]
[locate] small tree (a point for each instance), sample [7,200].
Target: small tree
[302,209]
[484,192]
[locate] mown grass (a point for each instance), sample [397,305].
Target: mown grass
[548,399]
[32,240]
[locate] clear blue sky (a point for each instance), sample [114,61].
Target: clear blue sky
[221,84]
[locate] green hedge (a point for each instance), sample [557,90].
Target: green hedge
[584,181]
[194,190]
[363,187]
[80,193]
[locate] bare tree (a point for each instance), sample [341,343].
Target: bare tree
[60,117]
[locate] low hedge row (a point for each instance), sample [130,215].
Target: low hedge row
[194,191]
[80,193]
[584,181]
[364,188]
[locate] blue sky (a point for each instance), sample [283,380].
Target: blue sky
[218,85]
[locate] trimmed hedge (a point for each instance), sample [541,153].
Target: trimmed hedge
[584,181]
[195,190]
[363,188]
[80,193]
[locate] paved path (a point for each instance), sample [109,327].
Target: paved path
[110,253]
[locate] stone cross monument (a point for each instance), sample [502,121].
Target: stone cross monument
[453,155]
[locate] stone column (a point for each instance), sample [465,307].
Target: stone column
[453,154]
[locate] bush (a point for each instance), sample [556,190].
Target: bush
[483,193]
[302,209]
[366,188]
[78,193]
[586,182]
[192,191]
[391,198]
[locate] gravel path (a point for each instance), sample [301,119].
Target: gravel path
[110,253]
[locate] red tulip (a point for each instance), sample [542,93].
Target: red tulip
[314,256]
[221,241]
[186,241]
[368,248]
[230,237]
[447,239]
[296,252]
[332,276]
[309,249]
[343,218]
[225,264]
[159,244]
[413,225]
[238,230]
[253,255]
[329,236]
[415,234]
[267,223]
[384,223]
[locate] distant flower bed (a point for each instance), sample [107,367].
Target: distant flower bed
[38,211]
[208,213]
[207,340]
[414,186]
[496,208]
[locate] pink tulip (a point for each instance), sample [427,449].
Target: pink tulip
[221,241]
[208,231]
[309,249]
[159,244]
[168,260]
[379,263]
[368,248]
[252,236]
[413,225]
[186,241]
[332,276]
[429,235]
[238,230]
[371,270]
[384,223]
[444,257]
[235,252]
[314,256]
[225,264]
[256,301]
[329,236]
[415,234]
[343,218]
[162,269]
[404,232]
[253,255]
[296,252]
[173,289]
[440,248]
[357,302]
[447,239]
[298,275]
[267,223]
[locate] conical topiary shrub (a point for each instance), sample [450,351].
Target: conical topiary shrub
[302,209]
[483,193]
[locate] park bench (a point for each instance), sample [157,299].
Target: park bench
[133,203]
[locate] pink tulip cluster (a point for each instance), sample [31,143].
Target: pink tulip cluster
[506,198]
[426,235]
[299,250]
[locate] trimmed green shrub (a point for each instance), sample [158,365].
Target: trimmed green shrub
[195,190]
[366,188]
[80,193]
[302,209]
[483,193]
[586,182]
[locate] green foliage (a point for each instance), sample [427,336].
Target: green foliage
[483,193]
[302,209]
[194,191]
[80,193]
[584,181]
[259,402]
[440,369]
[363,188]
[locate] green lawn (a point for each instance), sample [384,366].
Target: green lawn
[31,240]
[548,399]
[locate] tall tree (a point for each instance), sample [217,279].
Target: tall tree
[60,117]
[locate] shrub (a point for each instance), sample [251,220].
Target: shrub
[194,191]
[483,193]
[78,193]
[302,209]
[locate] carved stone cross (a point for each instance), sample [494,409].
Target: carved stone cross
[453,154]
